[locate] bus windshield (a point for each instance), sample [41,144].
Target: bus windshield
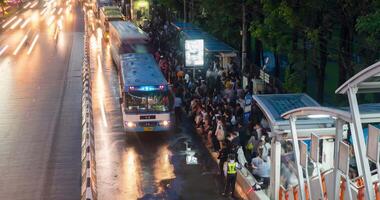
[143,102]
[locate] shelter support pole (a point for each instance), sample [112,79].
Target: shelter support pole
[296,148]
[275,175]
[359,144]
[356,150]
[338,137]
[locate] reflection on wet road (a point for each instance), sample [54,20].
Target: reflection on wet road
[145,165]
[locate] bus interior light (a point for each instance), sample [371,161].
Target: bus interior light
[318,116]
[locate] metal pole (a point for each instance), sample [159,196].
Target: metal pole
[184,11]
[339,133]
[275,169]
[307,178]
[296,148]
[244,39]
[363,161]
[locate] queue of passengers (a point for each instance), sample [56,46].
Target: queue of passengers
[217,108]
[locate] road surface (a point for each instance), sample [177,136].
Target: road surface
[143,166]
[40,84]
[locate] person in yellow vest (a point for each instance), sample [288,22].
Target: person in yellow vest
[230,171]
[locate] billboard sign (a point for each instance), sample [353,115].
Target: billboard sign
[194,53]
[373,143]
[314,155]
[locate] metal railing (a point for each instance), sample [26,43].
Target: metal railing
[88,173]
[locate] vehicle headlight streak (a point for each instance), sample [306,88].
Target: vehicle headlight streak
[27,5]
[33,44]
[10,21]
[60,11]
[3,49]
[20,45]
[44,11]
[50,20]
[25,23]
[34,4]
[16,23]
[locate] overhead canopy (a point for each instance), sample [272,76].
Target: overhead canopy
[189,31]
[369,113]
[310,111]
[274,105]
[367,80]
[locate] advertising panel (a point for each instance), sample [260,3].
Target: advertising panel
[194,53]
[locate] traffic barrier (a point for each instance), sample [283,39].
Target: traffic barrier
[88,175]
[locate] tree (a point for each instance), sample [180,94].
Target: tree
[2,5]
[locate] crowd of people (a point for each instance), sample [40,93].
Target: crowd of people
[216,103]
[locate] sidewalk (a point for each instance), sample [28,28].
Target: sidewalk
[244,181]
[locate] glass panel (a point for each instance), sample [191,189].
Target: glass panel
[140,102]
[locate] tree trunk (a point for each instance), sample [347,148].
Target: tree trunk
[345,53]
[322,65]
[258,52]
[305,64]
[276,64]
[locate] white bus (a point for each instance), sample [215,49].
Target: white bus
[107,14]
[125,37]
[146,100]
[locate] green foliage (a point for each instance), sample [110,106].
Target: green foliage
[309,33]
[292,82]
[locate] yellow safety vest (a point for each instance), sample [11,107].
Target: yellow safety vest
[231,168]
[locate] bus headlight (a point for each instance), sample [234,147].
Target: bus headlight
[164,123]
[130,124]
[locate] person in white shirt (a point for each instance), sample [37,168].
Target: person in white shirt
[178,109]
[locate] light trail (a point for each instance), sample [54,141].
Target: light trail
[60,11]
[34,4]
[27,5]
[16,23]
[20,45]
[50,20]
[33,44]
[10,21]
[43,11]
[53,11]
[3,49]
[26,22]
[68,9]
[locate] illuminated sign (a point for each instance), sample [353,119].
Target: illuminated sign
[194,53]
[146,88]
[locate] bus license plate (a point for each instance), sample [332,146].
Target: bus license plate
[148,128]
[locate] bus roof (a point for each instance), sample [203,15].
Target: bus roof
[112,12]
[141,69]
[127,30]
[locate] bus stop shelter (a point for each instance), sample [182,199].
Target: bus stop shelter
[273,106]
[212,45]
[366,81]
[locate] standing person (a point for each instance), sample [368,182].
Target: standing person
[178,109]
[230,170]
[223,157]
